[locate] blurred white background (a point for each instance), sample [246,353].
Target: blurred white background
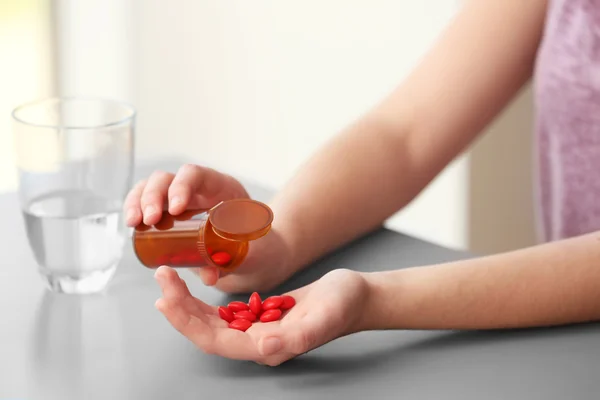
[253,87]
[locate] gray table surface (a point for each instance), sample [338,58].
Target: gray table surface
[117,346]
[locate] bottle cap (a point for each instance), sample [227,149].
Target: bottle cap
[241,219]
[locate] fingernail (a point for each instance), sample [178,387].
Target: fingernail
[159,277]
[149,210]
[270,346]
[207,276]
[175,201]
[130,215]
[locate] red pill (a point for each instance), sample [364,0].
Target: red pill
[237,306]
[272,303]
[255,303]
[209,251]
[193,258]
[164,260]
[226,314]
[288,302]
[177,260]
[240,324]
[249,315]
[270,315]
[221,258]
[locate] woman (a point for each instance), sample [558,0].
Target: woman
[480,63]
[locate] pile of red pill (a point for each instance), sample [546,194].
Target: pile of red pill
[241,316]
[193,257]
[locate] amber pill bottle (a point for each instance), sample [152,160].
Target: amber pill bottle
[191,238]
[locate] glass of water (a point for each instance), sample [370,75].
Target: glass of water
[75,159]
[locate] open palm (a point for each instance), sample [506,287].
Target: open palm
[324,310]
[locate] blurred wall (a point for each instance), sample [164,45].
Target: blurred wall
[252,88]
[95,48]
[27,69]
[501,213]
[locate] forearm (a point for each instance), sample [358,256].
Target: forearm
[551,284]
[348,188]
[379,164]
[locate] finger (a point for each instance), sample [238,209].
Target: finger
[235,344]
[208,275]
[197,303]
[133,211]
[198,331]
[177,315]
[195,180]
[175,291]
[154,196]
[175,307]
[269,340]
[287,341]
[225,342]
[187,182]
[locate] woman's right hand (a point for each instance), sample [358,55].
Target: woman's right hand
[194,187]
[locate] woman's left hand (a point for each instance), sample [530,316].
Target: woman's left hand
[326,309]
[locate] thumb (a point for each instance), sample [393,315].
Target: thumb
[310,332]
[208,275]
[269,346]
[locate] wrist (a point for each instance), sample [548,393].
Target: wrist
[277,254]
[386,301]
[286,236]
[371,313]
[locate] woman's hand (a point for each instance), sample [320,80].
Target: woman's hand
[196,187]
[325,310]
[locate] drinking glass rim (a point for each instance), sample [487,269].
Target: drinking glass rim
[131,109]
